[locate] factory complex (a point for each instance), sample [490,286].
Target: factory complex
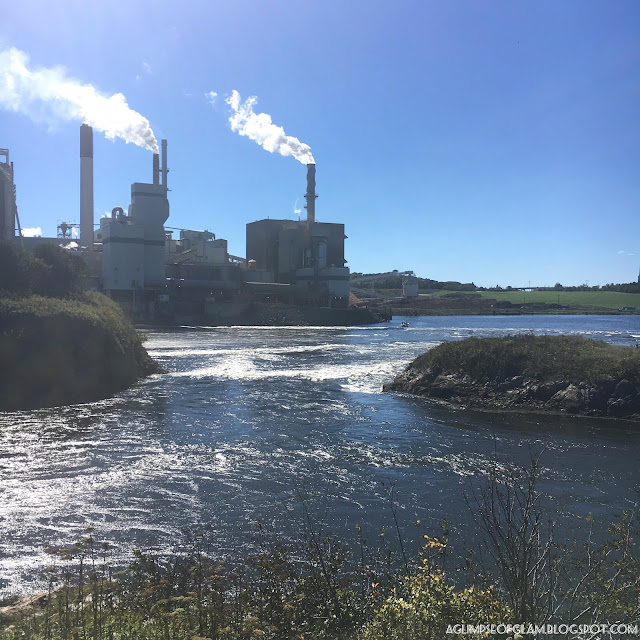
[136,260]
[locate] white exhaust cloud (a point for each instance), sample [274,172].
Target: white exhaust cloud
[259,128]
[32,232]
[47,95]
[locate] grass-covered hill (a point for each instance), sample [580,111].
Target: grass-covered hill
[55,352]
[526,372]
[516,302]
[58,345]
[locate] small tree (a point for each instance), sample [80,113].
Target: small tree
[20,271]
[48,271]
[519,540]
[67,271]
[589,582]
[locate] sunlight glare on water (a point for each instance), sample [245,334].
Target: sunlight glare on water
[250,419]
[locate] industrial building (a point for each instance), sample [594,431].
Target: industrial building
[136,261]
[409,286]
[8,208]
[133,244]
[307,255]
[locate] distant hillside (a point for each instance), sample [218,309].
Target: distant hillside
[394,279]
[456,298]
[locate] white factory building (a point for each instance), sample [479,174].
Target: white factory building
[133,244]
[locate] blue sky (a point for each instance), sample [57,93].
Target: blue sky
[495,142]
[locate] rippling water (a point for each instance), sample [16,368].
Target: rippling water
[251,420]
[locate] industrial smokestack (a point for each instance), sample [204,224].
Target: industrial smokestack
[156,169]
[165,170]
[311,193]
[86,186]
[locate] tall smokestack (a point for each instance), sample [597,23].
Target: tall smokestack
[156,169]
[311,193]
[165,170]
[86,186]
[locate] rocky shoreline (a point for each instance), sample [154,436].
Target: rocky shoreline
[611,397]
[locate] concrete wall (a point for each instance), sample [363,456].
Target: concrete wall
[329,286]
[292,243]
[149,209]
[333,235]
[123,255]
[263,244]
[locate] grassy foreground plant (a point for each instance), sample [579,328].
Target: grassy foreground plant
[316,589]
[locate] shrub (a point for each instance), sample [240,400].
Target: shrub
[427,604]
[48,271]
[67,272]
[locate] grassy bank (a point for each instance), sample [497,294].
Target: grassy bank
[527,372]
[317,589]
[56,351]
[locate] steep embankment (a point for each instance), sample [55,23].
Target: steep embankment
[532,373]
[64,351]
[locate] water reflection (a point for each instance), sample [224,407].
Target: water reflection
[250,419]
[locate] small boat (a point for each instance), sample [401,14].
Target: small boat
[404,324]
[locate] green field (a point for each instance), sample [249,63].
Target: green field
[442,302]
[605,299]
[611,300]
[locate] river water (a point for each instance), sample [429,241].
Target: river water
[251,423]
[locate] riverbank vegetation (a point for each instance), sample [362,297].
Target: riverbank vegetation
[59,345]
[315,588]
[527,372]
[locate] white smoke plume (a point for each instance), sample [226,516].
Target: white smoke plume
[259,128]
[50,94]
[296,209]
[32,232]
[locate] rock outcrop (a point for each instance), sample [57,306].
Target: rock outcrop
[612,395]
